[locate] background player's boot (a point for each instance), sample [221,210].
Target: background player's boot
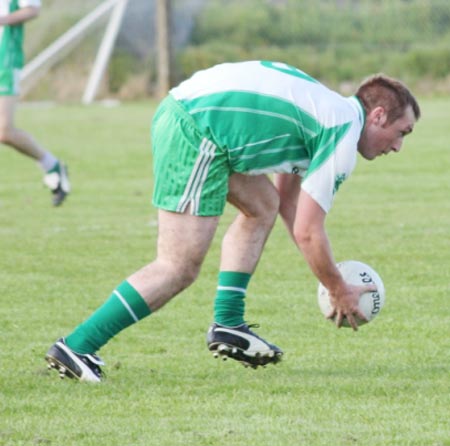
[241,344]
[57,181]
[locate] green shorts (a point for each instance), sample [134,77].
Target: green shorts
[190,172]
[9,82]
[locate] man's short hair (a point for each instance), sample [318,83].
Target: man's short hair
[391,94]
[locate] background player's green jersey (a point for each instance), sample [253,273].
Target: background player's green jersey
[11,47]
[11,37]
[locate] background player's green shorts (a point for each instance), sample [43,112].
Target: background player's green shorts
[9,81]
[190,172]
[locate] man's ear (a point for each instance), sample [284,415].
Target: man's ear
[378,116]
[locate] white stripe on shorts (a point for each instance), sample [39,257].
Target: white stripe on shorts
[194,186]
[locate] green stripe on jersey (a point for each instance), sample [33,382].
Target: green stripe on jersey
[329,139]
[261,131]
[277,113]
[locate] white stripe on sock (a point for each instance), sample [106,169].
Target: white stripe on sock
[232,288]
[125,304]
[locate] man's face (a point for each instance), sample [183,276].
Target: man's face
[379,138]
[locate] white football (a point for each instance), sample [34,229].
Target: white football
[357,273]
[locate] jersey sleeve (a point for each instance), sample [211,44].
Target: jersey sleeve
[328,171]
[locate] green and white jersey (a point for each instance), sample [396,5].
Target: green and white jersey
[273,118]
[11,36]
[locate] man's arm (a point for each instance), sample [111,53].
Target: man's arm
[305,221]
[20,16]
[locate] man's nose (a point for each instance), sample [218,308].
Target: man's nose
[397,146]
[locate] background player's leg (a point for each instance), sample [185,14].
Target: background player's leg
[56,178]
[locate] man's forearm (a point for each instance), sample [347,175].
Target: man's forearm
[316,249]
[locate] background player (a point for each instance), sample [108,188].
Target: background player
[13,14]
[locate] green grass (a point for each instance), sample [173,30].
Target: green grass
[387,384]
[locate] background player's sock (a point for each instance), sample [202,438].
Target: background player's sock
[49,163]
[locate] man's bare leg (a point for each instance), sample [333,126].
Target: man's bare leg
[183,242]
[258,203]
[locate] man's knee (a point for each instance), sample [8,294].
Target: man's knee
[184,273]
[189,274]
[266,208]
[273,205]
[255,197]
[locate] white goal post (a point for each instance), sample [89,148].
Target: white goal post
[37,67]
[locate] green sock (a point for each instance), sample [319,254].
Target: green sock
[229,305]
[124,307]
[55,168]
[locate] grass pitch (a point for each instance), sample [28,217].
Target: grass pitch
[387,384]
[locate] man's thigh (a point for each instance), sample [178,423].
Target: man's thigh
[252,195]
[184,237]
